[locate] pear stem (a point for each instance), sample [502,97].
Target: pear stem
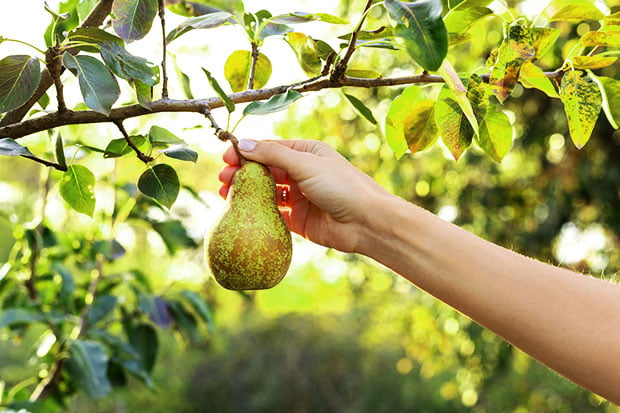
[227,136]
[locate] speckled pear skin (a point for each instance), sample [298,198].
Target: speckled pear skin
[251,247]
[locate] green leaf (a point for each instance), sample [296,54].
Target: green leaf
[463,17]
[306,51]
[459,92]
[274,104]
[159,136]
[144,93]
[10,147]
[119,147]
[174,235]
[77,188]
[133,18]
[99,89]
[394,122]
[303,17]
[127,66]
[206,21]
[237,70]
[573,10]
[101,307]
[421,27]
[143,338]
[184,79]
[515,49]
[65,20]
[161,183]
[18,316]
[419,126]
[592,62]
[601,38]
[363,73]
[201,7]
[531,76]
[19,78]
[230,106]
[495,134]
[93,36]
[611,89]
[582,104]
[454,128]
[60,151]
[200,306]
[361,108]
[184,320]
[87,366]
[543,39]
[181,152]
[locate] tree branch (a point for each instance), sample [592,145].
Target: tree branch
[143,157]
[162,19]
[94,19]
[253,65]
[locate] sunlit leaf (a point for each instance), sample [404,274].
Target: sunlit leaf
[161,183]
[419,126]
[77,188]
[202,7]
[181,152]
[133,18]
[459,91]
[363,73]
[592,62]
[573,10]
[19,78]
[127,66]
[99,88]
[361,108]
[611,87]
[601,38]
[394,122]
[10,147]
[543,39]
[495,134]
[306,51]
[463,17]
[421,27]
[454,128]
[238,67]
[119,147]
[87,366]
[302,17]
[184,79]
[532,76]
[59,150]
[582,104]
[230,106]
[144,93]
[206,21]
[274,104]
[162,136]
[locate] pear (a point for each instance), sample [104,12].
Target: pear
[250,248]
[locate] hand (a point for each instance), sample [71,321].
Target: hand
[328,197]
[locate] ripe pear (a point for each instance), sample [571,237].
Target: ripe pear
[251,247]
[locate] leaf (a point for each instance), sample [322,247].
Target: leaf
[87,366]
[514,51]
[184,79]
[174,235]
[419,126]
[230,106]
[119,147]
[237,70]
[159,136]
[101,307]
[200,306]
[573,10]
[461,19]
[155,307]
[99,89]
[454,128]
[181,152]
[201,7]
[10,147]
[77,188]
[206,21]
[144,93]
[143,338]
[93,36]
[160,183]
[601,38]
[133,18]
[582,104]
[361,108]
[459,92]
[543,39]
[495,134]
[394,122]
[60,151]
[363,73]
[611,89]
[592,62]
[19,78]
[127,66]
[532,76]
[421,27]
[306,51]
[274,104]
[18,316]
[303,17]
[184,320]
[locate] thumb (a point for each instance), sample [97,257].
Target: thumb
[270,153]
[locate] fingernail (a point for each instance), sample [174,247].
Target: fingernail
[246,145]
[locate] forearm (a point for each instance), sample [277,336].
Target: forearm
[565,320]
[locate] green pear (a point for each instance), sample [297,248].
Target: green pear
[251,247]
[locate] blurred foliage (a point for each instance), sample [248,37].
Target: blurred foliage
[340,333]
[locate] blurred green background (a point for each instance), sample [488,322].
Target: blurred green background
[342,333]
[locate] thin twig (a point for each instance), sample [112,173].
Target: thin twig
[253,65]
[164,86]
[143,157]
[46,163]
[54,67]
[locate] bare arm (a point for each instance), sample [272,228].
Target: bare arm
[568,321]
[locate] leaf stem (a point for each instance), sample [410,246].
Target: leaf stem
[4,39]
[46,163]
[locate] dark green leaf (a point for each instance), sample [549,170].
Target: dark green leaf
[19,78]
[87,366]
[174,235]
[161,183]
[361,108]
[133,18]
[274,104]
[206,21]
[77,188]
[101,307]
[238,66]
[200,306]
[93,36]
[230,106]
[60,151]
[184,320]
[127,66]
[18,316]
[119,147]
[306,51]
[420,25]
[143,339]
[162,136]
[381,33]
[67,285]
[156,309]
[99,88]
[181,152]
[9,147]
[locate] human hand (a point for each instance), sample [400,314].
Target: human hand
[329,199]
